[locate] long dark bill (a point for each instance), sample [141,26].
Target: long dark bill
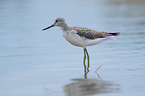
[48,27]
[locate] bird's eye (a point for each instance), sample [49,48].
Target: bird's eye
[56,21]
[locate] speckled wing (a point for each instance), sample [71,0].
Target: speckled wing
[90,33]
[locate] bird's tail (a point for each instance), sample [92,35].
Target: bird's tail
[115,34]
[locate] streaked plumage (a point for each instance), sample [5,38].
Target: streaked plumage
[92,34]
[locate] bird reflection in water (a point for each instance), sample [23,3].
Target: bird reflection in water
[83,87]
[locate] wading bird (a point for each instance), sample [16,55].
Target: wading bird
[81,36]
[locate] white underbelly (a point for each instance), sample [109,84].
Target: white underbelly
[90,42]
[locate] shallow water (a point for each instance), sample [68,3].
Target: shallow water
[35,63]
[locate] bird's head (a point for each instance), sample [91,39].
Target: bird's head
[58,22]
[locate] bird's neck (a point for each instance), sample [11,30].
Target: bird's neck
[64,27]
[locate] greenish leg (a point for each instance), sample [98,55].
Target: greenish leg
[88,57]
[85,75]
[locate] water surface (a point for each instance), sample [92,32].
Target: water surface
[36,63]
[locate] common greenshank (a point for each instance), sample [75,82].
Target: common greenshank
[81,36]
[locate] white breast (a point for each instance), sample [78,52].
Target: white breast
[74,38]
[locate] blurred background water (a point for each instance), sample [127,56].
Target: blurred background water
[36,63]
